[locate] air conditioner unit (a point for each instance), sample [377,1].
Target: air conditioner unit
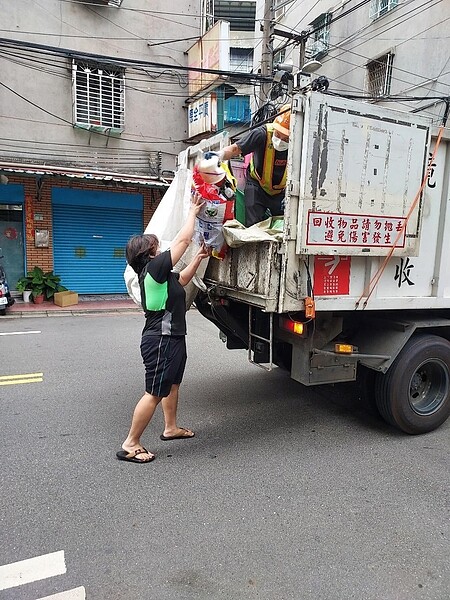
[316,49]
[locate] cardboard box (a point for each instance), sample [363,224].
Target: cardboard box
[65,298]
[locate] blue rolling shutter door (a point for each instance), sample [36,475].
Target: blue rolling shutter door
[89,238]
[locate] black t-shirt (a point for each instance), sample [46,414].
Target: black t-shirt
[255,141]
[163,297]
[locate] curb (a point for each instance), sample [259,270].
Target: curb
[70,313]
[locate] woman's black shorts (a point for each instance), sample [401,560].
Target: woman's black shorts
[164,359]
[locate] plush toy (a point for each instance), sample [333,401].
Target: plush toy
[214,181]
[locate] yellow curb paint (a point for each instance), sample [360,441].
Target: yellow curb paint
[17,381]
[25,378]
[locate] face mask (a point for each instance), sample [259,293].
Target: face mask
[279,145]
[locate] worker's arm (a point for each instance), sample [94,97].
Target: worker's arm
[229,152]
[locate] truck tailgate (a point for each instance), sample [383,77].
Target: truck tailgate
[250,273]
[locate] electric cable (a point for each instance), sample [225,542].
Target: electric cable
[127,62]
[387,27]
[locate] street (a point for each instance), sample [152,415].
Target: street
[286,492]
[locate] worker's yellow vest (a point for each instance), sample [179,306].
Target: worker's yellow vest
[265,180]
[229,175]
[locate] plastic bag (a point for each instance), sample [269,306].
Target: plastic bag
[209,222]
[166,222]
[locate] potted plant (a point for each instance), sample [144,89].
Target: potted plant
[42,285]
[24,286]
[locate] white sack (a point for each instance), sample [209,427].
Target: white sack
[167,220]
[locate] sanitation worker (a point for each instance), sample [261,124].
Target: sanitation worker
[266,174]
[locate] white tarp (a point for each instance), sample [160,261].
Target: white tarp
[269,230]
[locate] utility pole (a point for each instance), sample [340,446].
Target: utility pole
[267,49]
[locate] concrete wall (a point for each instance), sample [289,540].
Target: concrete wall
[416,31]
[36,112]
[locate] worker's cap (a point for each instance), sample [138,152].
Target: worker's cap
[283,122]
[210,170]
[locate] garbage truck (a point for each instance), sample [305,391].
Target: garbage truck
[357,283]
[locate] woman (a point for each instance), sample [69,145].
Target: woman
[163,344]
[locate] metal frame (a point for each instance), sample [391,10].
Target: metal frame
[263,339]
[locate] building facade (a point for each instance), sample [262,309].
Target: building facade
[92,117]
[386,51]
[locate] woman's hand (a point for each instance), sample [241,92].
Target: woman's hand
[196,202]
[202,253]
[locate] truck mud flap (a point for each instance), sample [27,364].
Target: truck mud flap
[217,313]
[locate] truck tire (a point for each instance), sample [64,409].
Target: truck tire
[365,379]
[414,394]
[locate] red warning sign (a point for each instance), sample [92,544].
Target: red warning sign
[331,275]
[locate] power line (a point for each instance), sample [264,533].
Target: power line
[381,26]
[396,69]
[140,10]
[99,37]
[153,140]
[124,62]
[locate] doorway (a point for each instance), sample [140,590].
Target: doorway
[11,241]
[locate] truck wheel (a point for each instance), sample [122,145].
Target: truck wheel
[414,394]
[2,312]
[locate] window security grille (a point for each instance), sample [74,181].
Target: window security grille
[207,13]
[379,74]
[319,42]
[378,8]
[98,94]
[241,60]
[154,163]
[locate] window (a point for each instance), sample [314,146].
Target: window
[279,57]
[280,8]
[241,60]
[378,8]
[379,73]
[237,110]
[319,41]
[240,15]
[98,94]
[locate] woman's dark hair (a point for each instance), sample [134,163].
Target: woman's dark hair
[140,249]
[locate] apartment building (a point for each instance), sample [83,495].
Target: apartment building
[393,52]
[92,118]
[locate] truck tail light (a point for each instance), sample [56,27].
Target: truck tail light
[343,348]
[292,326]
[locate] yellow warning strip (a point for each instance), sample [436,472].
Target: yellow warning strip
[26,378]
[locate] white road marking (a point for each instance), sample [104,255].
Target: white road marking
[78,593]
[32,569]
[19,332]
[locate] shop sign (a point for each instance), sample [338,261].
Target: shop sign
[212,52]
[202,116]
